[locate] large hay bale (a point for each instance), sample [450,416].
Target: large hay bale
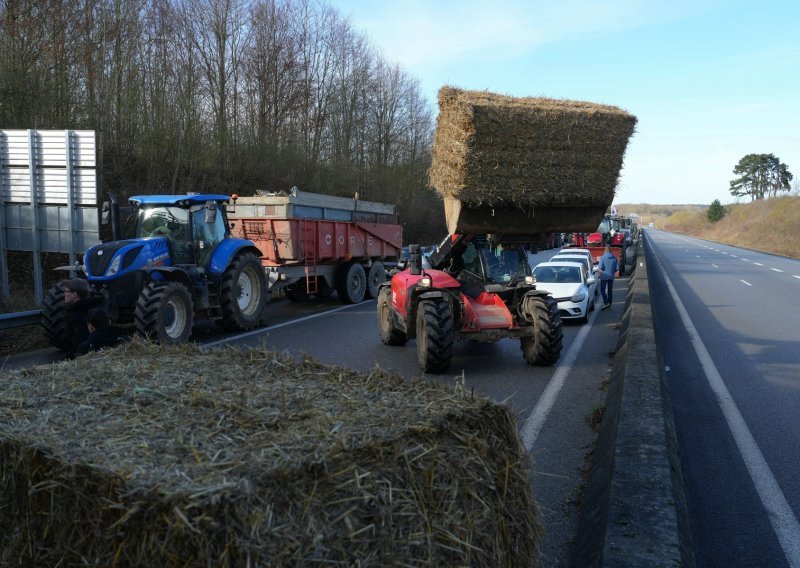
[503,151]
[173,456]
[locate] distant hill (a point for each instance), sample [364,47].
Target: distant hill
[769,225]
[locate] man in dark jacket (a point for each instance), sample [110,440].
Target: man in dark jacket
[79,302]
[101,333]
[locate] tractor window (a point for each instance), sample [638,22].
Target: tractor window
[172,222]
[206,235]
[503,263]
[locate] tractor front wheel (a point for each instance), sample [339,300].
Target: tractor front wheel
[243,293]
[164,313]
[390,335]
[434,336]
[543,348]
[54,317]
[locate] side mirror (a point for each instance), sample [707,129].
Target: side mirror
[105,213]
[590,281]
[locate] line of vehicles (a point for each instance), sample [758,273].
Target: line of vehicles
[220,257]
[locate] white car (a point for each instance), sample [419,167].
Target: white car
[584,260]
[573,251]
[567,283]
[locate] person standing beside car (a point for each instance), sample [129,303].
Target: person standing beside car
[607,268]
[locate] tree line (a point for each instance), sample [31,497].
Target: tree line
[223,96]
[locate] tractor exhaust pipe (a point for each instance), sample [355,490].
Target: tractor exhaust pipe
[415,260]
[111,213]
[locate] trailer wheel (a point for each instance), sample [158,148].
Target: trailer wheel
[434,336]
[544,347]
[164,313]
[243,293]
[324,290]
[390,335]
[54,317]
[375,277]
[351,283]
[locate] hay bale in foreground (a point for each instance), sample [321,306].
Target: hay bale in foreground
[497,150]
[172,456]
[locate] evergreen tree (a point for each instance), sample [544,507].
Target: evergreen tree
[715,211]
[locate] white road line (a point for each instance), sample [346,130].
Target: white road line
[780,514]
[745,282]
[758,264]
[714,265]
[776,269]
[746,260]
[734,256]
[277,326]
[795,276]
[533,424]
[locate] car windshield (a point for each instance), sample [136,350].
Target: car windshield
[557,274]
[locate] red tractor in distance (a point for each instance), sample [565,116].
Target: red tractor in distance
[609,232]
[477,289]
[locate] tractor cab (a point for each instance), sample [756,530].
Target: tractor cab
[192,225]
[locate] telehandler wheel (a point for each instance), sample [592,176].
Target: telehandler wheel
[390,335]
[375,277]
[54,317]
[351,283]
[434,336]
[164,313]
[243,293]
[544,347]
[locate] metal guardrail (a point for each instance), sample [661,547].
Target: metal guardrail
[20,319]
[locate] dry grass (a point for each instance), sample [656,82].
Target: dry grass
[155,456]
[769,225]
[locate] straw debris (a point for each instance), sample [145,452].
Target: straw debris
[174,456]
[497,150]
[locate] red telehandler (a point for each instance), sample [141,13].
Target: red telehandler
[479,288]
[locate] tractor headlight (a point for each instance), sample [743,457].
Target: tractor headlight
[425,282]
[114,268]
[530,280]
[579,296]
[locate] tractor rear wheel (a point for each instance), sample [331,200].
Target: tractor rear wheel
[243,293]
[54,317]
[164,313]
[375,277]
[543,348]
[434,336]
[351,283]
[390,335]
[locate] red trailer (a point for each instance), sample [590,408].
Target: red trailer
[313,244]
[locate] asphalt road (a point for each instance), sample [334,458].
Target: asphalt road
[727,322]
[551,403]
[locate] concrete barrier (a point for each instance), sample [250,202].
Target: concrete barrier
[634,510]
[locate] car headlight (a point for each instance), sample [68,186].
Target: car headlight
[579,296]
[114,268]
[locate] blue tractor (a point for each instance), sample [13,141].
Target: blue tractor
[182,264]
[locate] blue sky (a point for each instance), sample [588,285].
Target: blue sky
[709,80]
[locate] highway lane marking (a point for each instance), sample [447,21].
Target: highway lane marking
[745,282]
[278,326]
[758,264]
[779,513]
[795,276]
[734,256]
[714,265]
[776,269]
[535,421]
[746,260]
